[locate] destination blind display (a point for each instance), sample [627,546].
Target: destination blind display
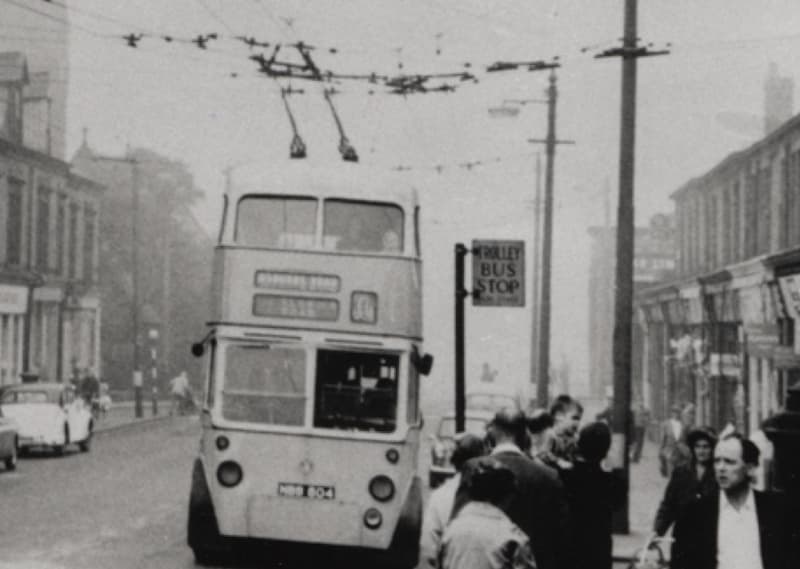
[301,307]
[306,282]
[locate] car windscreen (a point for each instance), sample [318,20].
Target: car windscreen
[264,384]
[447,427]
[24,396]
[356,391]
[360,226]
[276,221]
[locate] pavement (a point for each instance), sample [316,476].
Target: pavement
[123,414]
[646,489]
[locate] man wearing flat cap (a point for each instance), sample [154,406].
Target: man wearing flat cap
[538,504]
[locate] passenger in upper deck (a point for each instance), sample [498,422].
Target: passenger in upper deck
[391,242]
[353,239]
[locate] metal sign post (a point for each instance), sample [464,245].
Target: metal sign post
[460,294]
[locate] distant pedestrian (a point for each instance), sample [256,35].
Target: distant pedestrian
[488,374]
[592,494]
[538,504]
[688,482]
[737,527]
[482,536]
[440,504]
[561,443]
[179,392]
[640,422]
[673,450]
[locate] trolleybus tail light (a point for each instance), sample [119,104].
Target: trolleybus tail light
[382,488]
[223,442]
[229,473]
[373,518]
[392,455]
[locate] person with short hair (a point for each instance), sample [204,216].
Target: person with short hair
[482,536]
[737,527]
[537,505]
[592,494]
[539,424]
[560,445]
[440,503]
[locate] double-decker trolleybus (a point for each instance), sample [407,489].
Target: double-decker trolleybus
[311,420]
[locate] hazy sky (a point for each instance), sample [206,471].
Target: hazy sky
[181,101]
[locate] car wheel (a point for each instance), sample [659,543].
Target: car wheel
[11,461]
[58,450]
[86,443]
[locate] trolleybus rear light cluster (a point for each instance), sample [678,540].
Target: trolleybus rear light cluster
[223,442]
[373,518]
[381,488]
[392,455]
[229,474]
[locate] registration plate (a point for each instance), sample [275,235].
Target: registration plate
[313,491]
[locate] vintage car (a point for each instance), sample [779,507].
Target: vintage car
[48,415]
[443,442]
[8,442]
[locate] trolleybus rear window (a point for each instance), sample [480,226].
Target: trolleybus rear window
[264,384]
[359,226]
[356,391]
[273,221]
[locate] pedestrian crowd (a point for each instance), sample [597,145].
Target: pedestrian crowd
[535,492]
[531,494]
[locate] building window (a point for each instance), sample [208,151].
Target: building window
[61,223]
[794,191]
[751,213]
[88,244]
[14,223]
[72,261]
[42,229]
[764,210]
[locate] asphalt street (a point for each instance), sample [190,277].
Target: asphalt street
[122,505]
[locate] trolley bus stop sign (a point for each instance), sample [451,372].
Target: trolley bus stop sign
[498,273]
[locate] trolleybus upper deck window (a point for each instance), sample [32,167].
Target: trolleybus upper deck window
[362,226]
[276,221]
[264,384]
[356,391]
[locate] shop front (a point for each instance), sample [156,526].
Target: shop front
[13,306]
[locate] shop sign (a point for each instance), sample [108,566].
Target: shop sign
[784,358]
[13,299]
[761,339]
[790,287]
[724,364]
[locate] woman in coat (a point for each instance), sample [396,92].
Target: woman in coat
[688,482]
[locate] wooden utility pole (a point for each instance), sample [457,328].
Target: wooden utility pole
[623,303]
[543,374]
[536,273]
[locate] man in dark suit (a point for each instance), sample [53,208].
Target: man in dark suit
[539,505]
[739,527]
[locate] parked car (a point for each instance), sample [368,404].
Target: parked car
[443,442]
[8,441]
[48,415]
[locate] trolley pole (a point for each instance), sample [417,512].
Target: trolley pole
[460,294]
[623,302]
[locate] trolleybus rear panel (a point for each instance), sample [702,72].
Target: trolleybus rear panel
[311,420]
